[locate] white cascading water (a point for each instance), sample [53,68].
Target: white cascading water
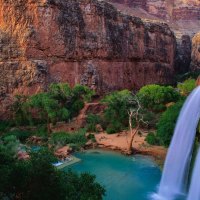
[194,191]
[176,169]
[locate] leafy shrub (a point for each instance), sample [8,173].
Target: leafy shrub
[10,144]
[47,107]
[114,127]
[116,113]
[92,120]
[72,99]
[152,139]
[5,125]
[75,139]
[19,108]
[21,135]
[59,103]
[167,122]
[91,137]
[151,118]
[155,97]
[187,86]
[41,131]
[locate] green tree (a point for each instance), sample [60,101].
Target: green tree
[187,86]
[71,98]
[116,115]
[125,109]
[48,108]
[167,122]
[85,187]
[155,97]
[38,179]
[20,111]
[92,120]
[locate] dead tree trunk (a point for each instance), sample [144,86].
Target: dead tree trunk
[132,133]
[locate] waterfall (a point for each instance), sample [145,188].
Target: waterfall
[176,168]
[194,191]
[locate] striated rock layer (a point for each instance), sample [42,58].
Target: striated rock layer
[182,16]
[79,41]
[167,9]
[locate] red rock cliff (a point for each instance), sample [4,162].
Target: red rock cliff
[85,41]
[195,64]
[167,9]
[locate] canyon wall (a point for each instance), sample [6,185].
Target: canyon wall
[195,64]
[83,41]
[167,9]
[182,16]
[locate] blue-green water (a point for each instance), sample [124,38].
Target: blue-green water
[125,178]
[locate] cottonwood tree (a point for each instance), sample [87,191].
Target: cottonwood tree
[48,108]
[60,103]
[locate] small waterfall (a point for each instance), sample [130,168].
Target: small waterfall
[176,169]
[194,191]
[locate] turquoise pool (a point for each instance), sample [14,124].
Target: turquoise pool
[125,178]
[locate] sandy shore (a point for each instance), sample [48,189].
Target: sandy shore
[121,140]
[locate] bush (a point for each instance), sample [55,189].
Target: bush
[20,111]
[5,126]
[155,97]
[71,98]
[92,120]
[21,135]
[116,113]
[114,127]
[167,122]
[187,86]
[77,139]
[152,139]
[10,144]
[41,131]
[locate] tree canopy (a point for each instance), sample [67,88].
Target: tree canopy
[155,97]
[38,179]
